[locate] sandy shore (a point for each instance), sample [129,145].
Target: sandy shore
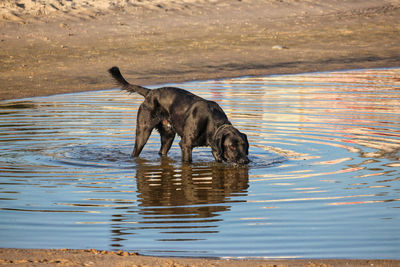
[72,257]
[51,47]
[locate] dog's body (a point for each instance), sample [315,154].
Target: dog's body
[197,121]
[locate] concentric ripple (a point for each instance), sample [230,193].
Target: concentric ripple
[323,181]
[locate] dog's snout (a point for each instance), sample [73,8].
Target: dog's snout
[244,160]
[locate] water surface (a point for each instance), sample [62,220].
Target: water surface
[323,182]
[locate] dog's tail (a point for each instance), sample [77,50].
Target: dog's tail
[116,74]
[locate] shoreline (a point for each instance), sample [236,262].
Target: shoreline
[217,78]
[93,257]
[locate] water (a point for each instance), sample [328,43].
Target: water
[323,182]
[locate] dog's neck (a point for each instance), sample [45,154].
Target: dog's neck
[220,128]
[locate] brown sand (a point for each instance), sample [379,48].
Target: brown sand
[61,46]
[95,258]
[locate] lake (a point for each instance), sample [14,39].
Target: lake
[324,181]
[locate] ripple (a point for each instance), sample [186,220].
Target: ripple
[93,156]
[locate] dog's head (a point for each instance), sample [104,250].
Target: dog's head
[230,145]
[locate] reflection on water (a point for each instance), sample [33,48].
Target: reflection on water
[181,202]
[323,181]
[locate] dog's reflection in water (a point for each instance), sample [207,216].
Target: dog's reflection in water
[188,189]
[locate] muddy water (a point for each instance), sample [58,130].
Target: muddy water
[323,182]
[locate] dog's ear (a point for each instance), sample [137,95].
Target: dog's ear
[247,142]
[218,147]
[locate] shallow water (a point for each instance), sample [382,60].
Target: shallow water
[323,182]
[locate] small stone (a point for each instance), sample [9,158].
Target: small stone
[122,253]
[92,250]
[279,47]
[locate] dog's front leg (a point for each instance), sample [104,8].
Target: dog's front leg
[167,137]
[217,155]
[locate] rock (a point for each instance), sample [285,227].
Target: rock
[279,47]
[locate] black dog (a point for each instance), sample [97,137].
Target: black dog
[197,121]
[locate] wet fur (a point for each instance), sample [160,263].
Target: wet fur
[197,121]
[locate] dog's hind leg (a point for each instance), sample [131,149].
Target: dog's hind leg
[144,126]
[142,135]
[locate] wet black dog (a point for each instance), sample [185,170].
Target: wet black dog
[197,121]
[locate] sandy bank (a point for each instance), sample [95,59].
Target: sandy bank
[50,47]
[72,257]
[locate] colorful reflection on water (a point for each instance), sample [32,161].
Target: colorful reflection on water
[323,182]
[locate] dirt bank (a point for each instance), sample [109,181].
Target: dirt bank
[67,46]
[72,257]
